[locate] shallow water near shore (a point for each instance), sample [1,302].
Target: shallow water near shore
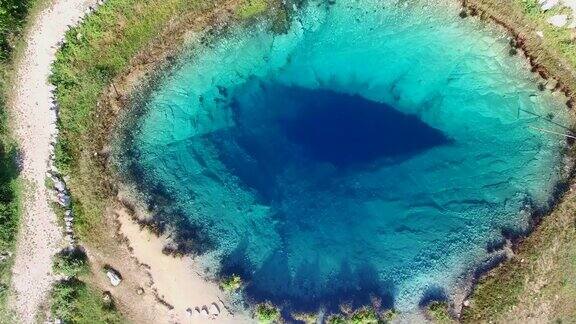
[377,148]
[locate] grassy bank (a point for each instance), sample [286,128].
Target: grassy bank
[75,301]
[13,15]
[553,55]
[538,284]
[95,53]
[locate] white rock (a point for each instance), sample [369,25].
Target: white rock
[214,309]
[540,34]
[558,20]
[548,4]
[114,278]
[59,185]
[466,303]
[64,200]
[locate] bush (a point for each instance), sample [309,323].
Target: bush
[73,301]
[336,319]
[308,318]
[438,312]
[267,313]
[232,283]
[12,15]
[364,315]
[71,262]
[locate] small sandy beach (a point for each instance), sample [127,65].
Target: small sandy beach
[177,281]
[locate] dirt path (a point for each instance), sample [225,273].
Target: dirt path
[34,123]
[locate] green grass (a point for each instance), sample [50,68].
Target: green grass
[557,38]
[75,302]
[252,8]
[71,263]
[538,280]
[438,312]
[95,52]
[13,15]
[267,313]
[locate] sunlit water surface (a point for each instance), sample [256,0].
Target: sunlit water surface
[378,147]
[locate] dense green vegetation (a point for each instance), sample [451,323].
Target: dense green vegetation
[562,39]
[12,18]
[252,8]
[73,301]
[71,263]
[267,313]
[439,312]
[363,315]
[231,284]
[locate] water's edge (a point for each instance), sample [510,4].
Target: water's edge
[133,86]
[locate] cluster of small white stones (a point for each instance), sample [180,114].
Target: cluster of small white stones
[61,193]
[560,20]
[211,312]
[62,197]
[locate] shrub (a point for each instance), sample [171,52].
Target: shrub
[71,262]
[73,301]
[267,313]
[232,283]
[308,318]
[364,315]
[336,319]
[438,312]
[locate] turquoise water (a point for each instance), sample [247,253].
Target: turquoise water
[377,148]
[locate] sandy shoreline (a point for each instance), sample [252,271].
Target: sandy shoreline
[176,281]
